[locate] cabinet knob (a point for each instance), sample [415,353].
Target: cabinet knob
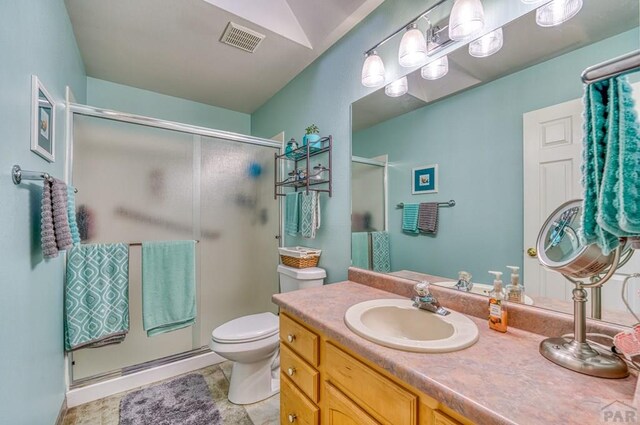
[292,418]
[291,371]
[531,252]
[291,338]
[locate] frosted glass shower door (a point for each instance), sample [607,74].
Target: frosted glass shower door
[134,184]
[367,197]
[238,267]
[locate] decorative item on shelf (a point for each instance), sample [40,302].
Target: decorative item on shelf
[43,112]
[292,145]
[312,137]
[318,172]
[424,179]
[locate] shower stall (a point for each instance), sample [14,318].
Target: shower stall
[142,179]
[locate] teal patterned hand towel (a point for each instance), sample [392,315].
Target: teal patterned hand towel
[381,252]
[168,286]
[611,164]
[410,218]
[360,250]
[292,213]
[96,295]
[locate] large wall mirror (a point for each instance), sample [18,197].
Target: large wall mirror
[506,134]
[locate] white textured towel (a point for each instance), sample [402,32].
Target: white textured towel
[310,214]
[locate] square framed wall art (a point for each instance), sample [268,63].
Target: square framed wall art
[424,179]
[43,110]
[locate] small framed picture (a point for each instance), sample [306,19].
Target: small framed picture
[43,110]
[424,179]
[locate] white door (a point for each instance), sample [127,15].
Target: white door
[552,158]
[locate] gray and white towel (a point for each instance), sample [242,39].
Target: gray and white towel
[47,233]
[309,214]
[60,215]
[428,217]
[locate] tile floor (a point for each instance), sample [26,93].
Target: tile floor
[106,411]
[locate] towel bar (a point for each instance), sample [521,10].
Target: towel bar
[18,174]
[451,203]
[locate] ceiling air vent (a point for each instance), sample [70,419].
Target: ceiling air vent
[241,37]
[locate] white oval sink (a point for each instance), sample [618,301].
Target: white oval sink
[480,289]
[397,324]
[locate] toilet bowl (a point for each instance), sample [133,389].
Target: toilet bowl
[252,343]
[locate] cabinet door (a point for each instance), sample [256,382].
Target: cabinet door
[338,409]
[295,408]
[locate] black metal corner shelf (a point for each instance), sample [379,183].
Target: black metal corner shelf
[305,153]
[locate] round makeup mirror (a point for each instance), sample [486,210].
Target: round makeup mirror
[560,249]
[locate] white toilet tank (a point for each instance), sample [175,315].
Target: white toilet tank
[292,279]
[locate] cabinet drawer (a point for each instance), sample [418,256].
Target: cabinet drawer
[300,339]
[295,408]
[389,403]
[440,418]
[303,375]
[338,409]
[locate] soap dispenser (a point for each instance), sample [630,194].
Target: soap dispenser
[497,305]
[515,291]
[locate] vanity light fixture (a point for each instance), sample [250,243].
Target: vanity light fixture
[486,45]
[435,69]
[413,47]
[372,70]
[557,12]
[397,88]
[466,19]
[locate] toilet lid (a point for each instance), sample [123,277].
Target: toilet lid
[247,328]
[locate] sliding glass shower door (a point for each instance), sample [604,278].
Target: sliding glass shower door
[138,183]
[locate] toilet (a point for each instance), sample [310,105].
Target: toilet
[252,342]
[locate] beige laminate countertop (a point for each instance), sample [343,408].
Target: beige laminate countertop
[502,379]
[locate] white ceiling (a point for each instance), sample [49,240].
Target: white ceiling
[525,44]
[172,47]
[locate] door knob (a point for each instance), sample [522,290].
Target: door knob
[531,252]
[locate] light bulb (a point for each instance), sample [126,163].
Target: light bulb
[486,45]
[373,70]
[557,12]
[397,88]
[435,69]
[466,20]
[413,47]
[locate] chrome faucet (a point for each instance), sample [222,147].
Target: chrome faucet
[426,301]
[464,282]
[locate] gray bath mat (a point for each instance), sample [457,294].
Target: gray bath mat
[183,401]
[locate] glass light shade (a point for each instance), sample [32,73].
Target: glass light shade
[435,69]
[466,19]
[373,71]
[413,48]
[531,1]
[397,88]
[557,12]
[486,45]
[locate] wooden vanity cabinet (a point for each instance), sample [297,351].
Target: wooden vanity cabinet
[324,383]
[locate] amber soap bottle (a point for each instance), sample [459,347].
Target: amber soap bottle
[497,305]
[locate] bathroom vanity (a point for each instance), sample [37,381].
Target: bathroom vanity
[332,376]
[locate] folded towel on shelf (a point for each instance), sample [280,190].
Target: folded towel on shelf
[168,286]
[360,250]
[96,295]
[428,217]
[410,218]
[309,214]
[47,233]
[71,215]
[292,213]
[60,214]
[611,159]
[381,252]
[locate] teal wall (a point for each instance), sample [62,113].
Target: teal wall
[476,138]
[122,98]
[35,38]
[323,94]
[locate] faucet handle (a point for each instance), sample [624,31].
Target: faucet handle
[422,288]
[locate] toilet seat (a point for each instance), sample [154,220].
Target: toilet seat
[249,328]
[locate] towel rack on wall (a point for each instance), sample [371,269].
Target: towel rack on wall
[18,174]
[612,68]
[449,204]
[140,243]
